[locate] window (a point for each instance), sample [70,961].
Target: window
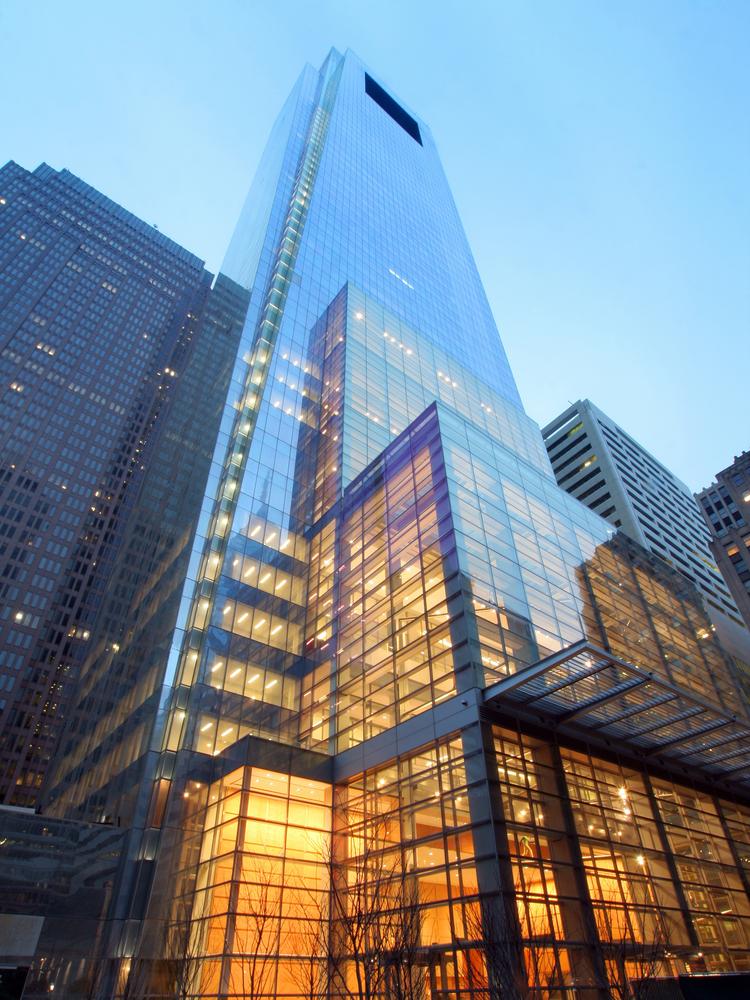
[592,489]
[392,108]
[572,444]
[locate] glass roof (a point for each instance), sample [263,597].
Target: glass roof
[585,690]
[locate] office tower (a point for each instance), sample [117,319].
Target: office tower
[599,464]
[103,757]
[113,448]
[415,687]
[99,319]
[726,508]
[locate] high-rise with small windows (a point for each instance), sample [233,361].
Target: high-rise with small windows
[726,508]
[429,726]
[100,327]
[601,465]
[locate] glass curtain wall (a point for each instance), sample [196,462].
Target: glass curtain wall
[381,540]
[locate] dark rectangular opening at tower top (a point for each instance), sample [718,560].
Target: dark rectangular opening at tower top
[392,108]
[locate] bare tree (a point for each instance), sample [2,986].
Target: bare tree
[633,962]
[363,937]
[406,973]
[171,975]
[487,929]
[311,941]
[634,939]
[254,932]
[514,965]
[138,983]
[174,975]
[362,908]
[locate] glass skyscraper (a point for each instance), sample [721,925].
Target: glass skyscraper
[431,726]
[100,319]
[115,357]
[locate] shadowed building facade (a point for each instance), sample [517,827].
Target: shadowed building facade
[99,318]
[726,508]
[415,686]
[115,354]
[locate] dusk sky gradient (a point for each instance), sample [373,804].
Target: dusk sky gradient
[598,152]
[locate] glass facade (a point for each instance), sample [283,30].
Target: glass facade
[55,892]
[431,727]
[99,322]
[107,747]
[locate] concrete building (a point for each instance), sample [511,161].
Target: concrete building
[598,463]
[726,508]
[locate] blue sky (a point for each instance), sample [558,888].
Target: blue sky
[598,151]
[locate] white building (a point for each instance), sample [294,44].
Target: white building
[603,467]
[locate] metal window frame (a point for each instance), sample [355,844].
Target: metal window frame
[589,690]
